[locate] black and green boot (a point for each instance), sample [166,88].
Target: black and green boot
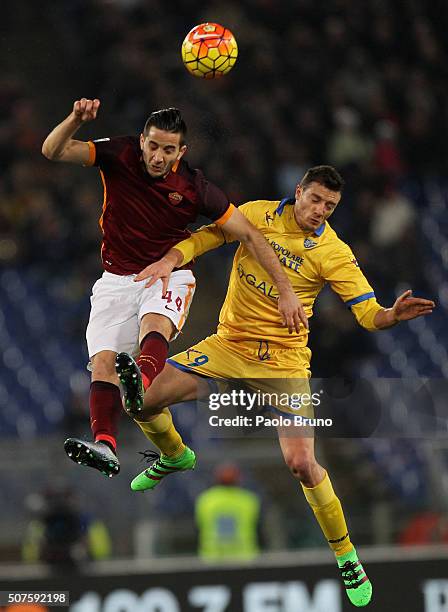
[97,455]
[131,380]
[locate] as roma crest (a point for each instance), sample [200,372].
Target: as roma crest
[175,198]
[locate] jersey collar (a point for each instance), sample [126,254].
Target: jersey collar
[280,208]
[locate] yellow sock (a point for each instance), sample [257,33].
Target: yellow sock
[328,512]
[163,434]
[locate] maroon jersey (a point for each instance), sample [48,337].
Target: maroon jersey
[143,217]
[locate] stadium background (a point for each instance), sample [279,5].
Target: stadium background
[358,85]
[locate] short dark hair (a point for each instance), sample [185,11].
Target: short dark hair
[169,120]
[327,176]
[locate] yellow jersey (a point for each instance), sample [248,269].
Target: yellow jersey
[310,260]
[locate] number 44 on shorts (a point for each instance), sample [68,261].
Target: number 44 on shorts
[169,298]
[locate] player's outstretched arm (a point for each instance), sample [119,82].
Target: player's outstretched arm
[289,305]
[405,308]
[59,144]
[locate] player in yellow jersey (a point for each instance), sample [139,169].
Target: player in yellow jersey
[251,342]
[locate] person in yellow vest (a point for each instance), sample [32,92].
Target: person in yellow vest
[227,517]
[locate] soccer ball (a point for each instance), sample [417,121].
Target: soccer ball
[209,51]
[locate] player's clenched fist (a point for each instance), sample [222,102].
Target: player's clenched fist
[85,110]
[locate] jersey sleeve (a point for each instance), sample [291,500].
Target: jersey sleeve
[105,151]
[210,237]
[201,241]
[341,270]
[365,312]
[214,203]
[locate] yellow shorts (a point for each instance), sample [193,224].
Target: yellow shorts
[281,374]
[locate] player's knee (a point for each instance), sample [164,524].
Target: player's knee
[103,366]
[301,465]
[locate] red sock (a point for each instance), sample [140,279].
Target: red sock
[152,359]
[105,411]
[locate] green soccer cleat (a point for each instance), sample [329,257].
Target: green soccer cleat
[161,467]
[357,585]
[131,381]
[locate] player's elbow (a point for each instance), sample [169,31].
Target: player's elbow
[52,152]
[48,151]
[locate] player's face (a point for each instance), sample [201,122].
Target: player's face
[314,205]
[160,151]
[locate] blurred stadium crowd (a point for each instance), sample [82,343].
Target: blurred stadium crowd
[361,86]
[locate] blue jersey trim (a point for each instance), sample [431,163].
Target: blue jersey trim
[212,384]
[281,206]
[361,298]
[179,366]
[320,229]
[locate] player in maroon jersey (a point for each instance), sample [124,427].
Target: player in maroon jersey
[150,196]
